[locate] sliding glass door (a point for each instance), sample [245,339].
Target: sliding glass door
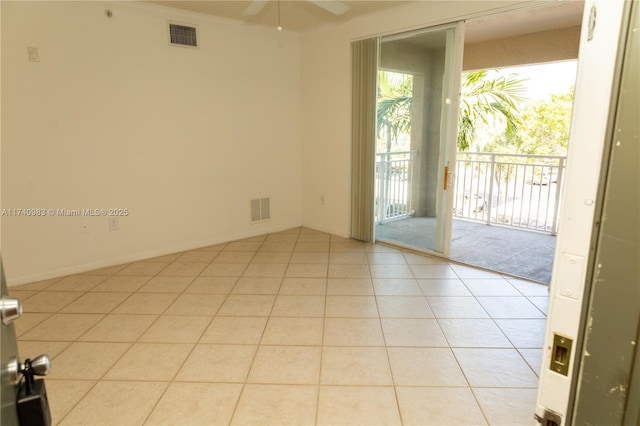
[417,119]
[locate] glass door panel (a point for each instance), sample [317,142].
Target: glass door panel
[418,86]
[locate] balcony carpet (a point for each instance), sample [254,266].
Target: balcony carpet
[515,252]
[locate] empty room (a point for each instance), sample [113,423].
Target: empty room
[189,207]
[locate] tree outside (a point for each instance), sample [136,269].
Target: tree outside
[544,130]
[395,95]
[489,103]
[512,139]
[495,115]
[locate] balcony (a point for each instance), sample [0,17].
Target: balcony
[514,190]
[394,172]
[505,209]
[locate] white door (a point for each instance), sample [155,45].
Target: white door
[595,85]
[9,356]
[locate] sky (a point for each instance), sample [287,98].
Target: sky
[545,79]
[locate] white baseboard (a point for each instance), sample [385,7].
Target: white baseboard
[105,263]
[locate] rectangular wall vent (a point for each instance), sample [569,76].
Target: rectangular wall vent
[260,209]
[183,35]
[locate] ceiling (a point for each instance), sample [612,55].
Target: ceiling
[295,15]
[564,14]
[301,15]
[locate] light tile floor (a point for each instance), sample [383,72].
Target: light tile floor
[296,327]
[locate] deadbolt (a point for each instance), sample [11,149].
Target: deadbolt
[10,309]
[13,370]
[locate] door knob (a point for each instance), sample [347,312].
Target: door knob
[32,403]
[38,366]
[10,309]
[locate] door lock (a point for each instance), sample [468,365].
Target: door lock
[10,310]
[13,370]
[561,354]
[38,366]
[33,403]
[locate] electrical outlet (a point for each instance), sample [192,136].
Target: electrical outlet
[113,223]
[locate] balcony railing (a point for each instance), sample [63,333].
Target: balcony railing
[515,190]
[393,183]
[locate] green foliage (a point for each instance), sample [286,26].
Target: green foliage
[489,101]
[545,128]
[488,104]
[395,94]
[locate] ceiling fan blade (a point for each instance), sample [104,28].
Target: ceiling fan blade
[255,7]
[333,6]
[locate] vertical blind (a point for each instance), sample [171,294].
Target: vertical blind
[364,66]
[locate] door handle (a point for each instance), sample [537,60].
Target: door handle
[32,401]
[38,366]
[10,310]
[447,177]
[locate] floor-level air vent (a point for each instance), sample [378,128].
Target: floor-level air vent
[260,209]
[182,35]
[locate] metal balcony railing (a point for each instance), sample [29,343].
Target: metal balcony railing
[516,190]
[392,186]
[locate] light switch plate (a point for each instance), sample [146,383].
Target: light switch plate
[34,55]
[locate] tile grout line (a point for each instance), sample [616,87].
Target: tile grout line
[386,346]
[324,328]
[170,382]
[131,345]
[464,374]
[106,371]
[205,328]
[226,296]
[482,410]
[257,346]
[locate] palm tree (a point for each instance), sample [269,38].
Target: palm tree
[395,93]
[483,100]
[488,101]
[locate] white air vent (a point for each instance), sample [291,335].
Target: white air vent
[182,35]
[260,209]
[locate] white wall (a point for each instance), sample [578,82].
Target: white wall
[326,99]
[114,117]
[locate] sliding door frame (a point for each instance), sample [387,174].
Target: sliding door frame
[448,128]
